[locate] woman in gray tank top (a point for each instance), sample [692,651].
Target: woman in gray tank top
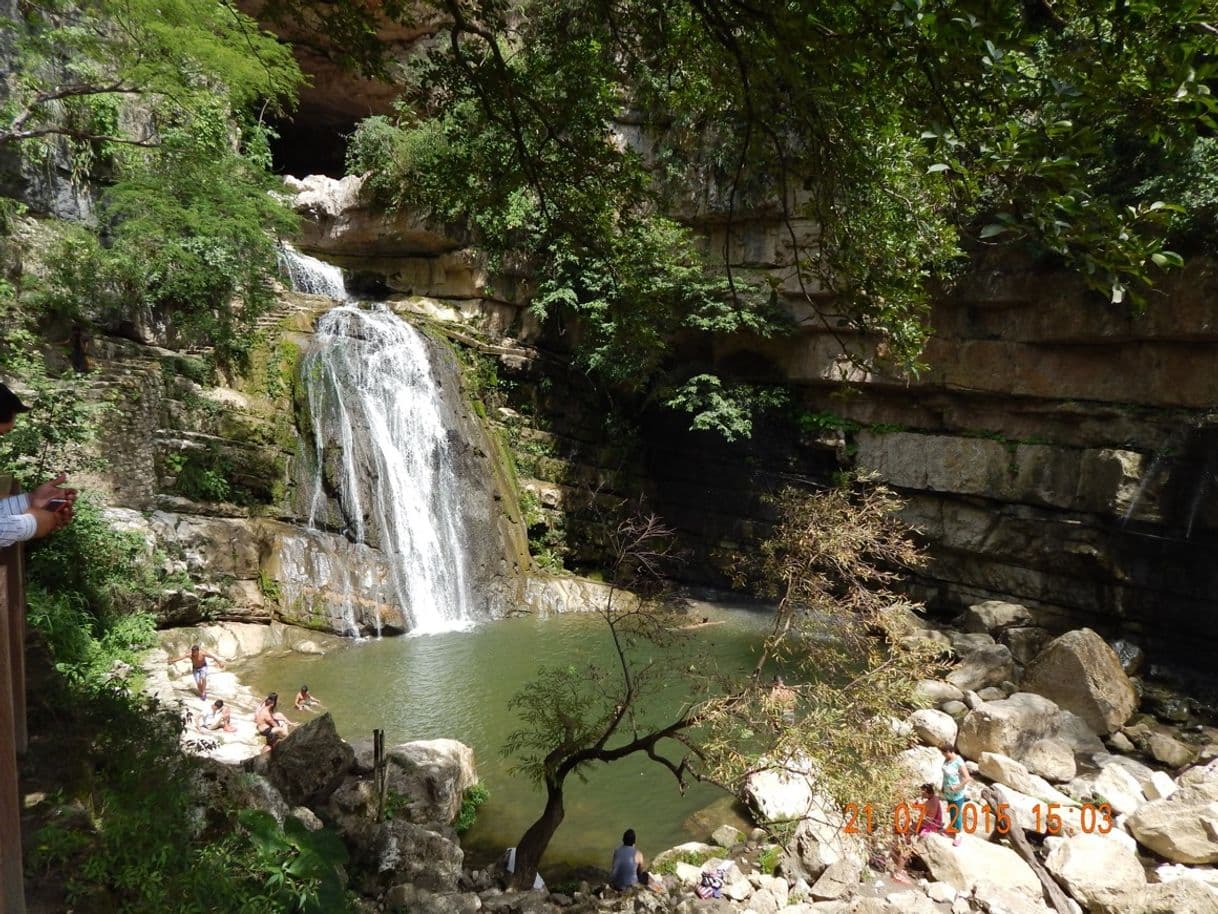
[627,868]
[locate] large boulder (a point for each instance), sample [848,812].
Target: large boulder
[821,841]
[223,788]
[838,880]
[1033,814]
[352,802]
[434,774]
[407,897]
[782,792]
[1184,827]
[1170,751]
[997,900]
[310,762]
[981,666]
[1102,874]
[924,765]
[935,692]
[1011,726]
[1184,896]
[390,853]
[1013,774]
[1082,674]
[994,616]
[976,861]
[686,850]
[1119,788]
[1025,642]
[934,728]
[339,220]
[1052,759]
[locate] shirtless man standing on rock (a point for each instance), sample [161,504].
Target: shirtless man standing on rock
[198,663]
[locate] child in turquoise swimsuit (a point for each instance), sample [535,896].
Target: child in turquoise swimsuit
[955,776]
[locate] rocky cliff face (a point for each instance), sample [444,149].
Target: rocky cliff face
[217,474]
[1059,451]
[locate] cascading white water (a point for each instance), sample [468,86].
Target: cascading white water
[310,275]
[370,387]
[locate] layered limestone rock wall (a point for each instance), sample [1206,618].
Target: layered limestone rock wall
[216,473]
[1058,451]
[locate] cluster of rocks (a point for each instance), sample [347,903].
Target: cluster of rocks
[1052,721]
[1121,809]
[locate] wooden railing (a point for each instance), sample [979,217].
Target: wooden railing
[13,736]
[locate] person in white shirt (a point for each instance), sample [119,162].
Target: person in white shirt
[31,515]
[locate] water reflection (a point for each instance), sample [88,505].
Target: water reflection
[458,684]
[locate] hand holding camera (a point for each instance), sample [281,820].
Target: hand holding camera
[52,496]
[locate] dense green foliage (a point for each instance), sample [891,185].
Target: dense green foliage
[893,139]
[97,71]
[471,799]
[92,590]
[160,106]
[144,847]
[56,434]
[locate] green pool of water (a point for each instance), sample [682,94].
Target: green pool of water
[457,685]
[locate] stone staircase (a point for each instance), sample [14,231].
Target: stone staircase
[132,383]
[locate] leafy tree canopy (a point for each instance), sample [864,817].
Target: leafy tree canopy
[159,106]
[73,62]
[581,138]
[830,566]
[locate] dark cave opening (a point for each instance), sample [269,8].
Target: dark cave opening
[308,146]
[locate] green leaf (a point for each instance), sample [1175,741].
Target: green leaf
[263,830]
[937,167]
[993,229]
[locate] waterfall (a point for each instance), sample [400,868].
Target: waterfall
[310,275]
[373,398]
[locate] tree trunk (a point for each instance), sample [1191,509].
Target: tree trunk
[535,841]
[994,796]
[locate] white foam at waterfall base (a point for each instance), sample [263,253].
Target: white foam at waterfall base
[311,276]
[370,387]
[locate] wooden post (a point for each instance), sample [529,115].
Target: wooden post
[12,887]
[1053,892]
[14,565]
[13,560]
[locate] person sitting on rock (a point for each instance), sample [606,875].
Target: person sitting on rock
[219,717]
[270,724]
[930,822]
[927,819]
[628,867]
